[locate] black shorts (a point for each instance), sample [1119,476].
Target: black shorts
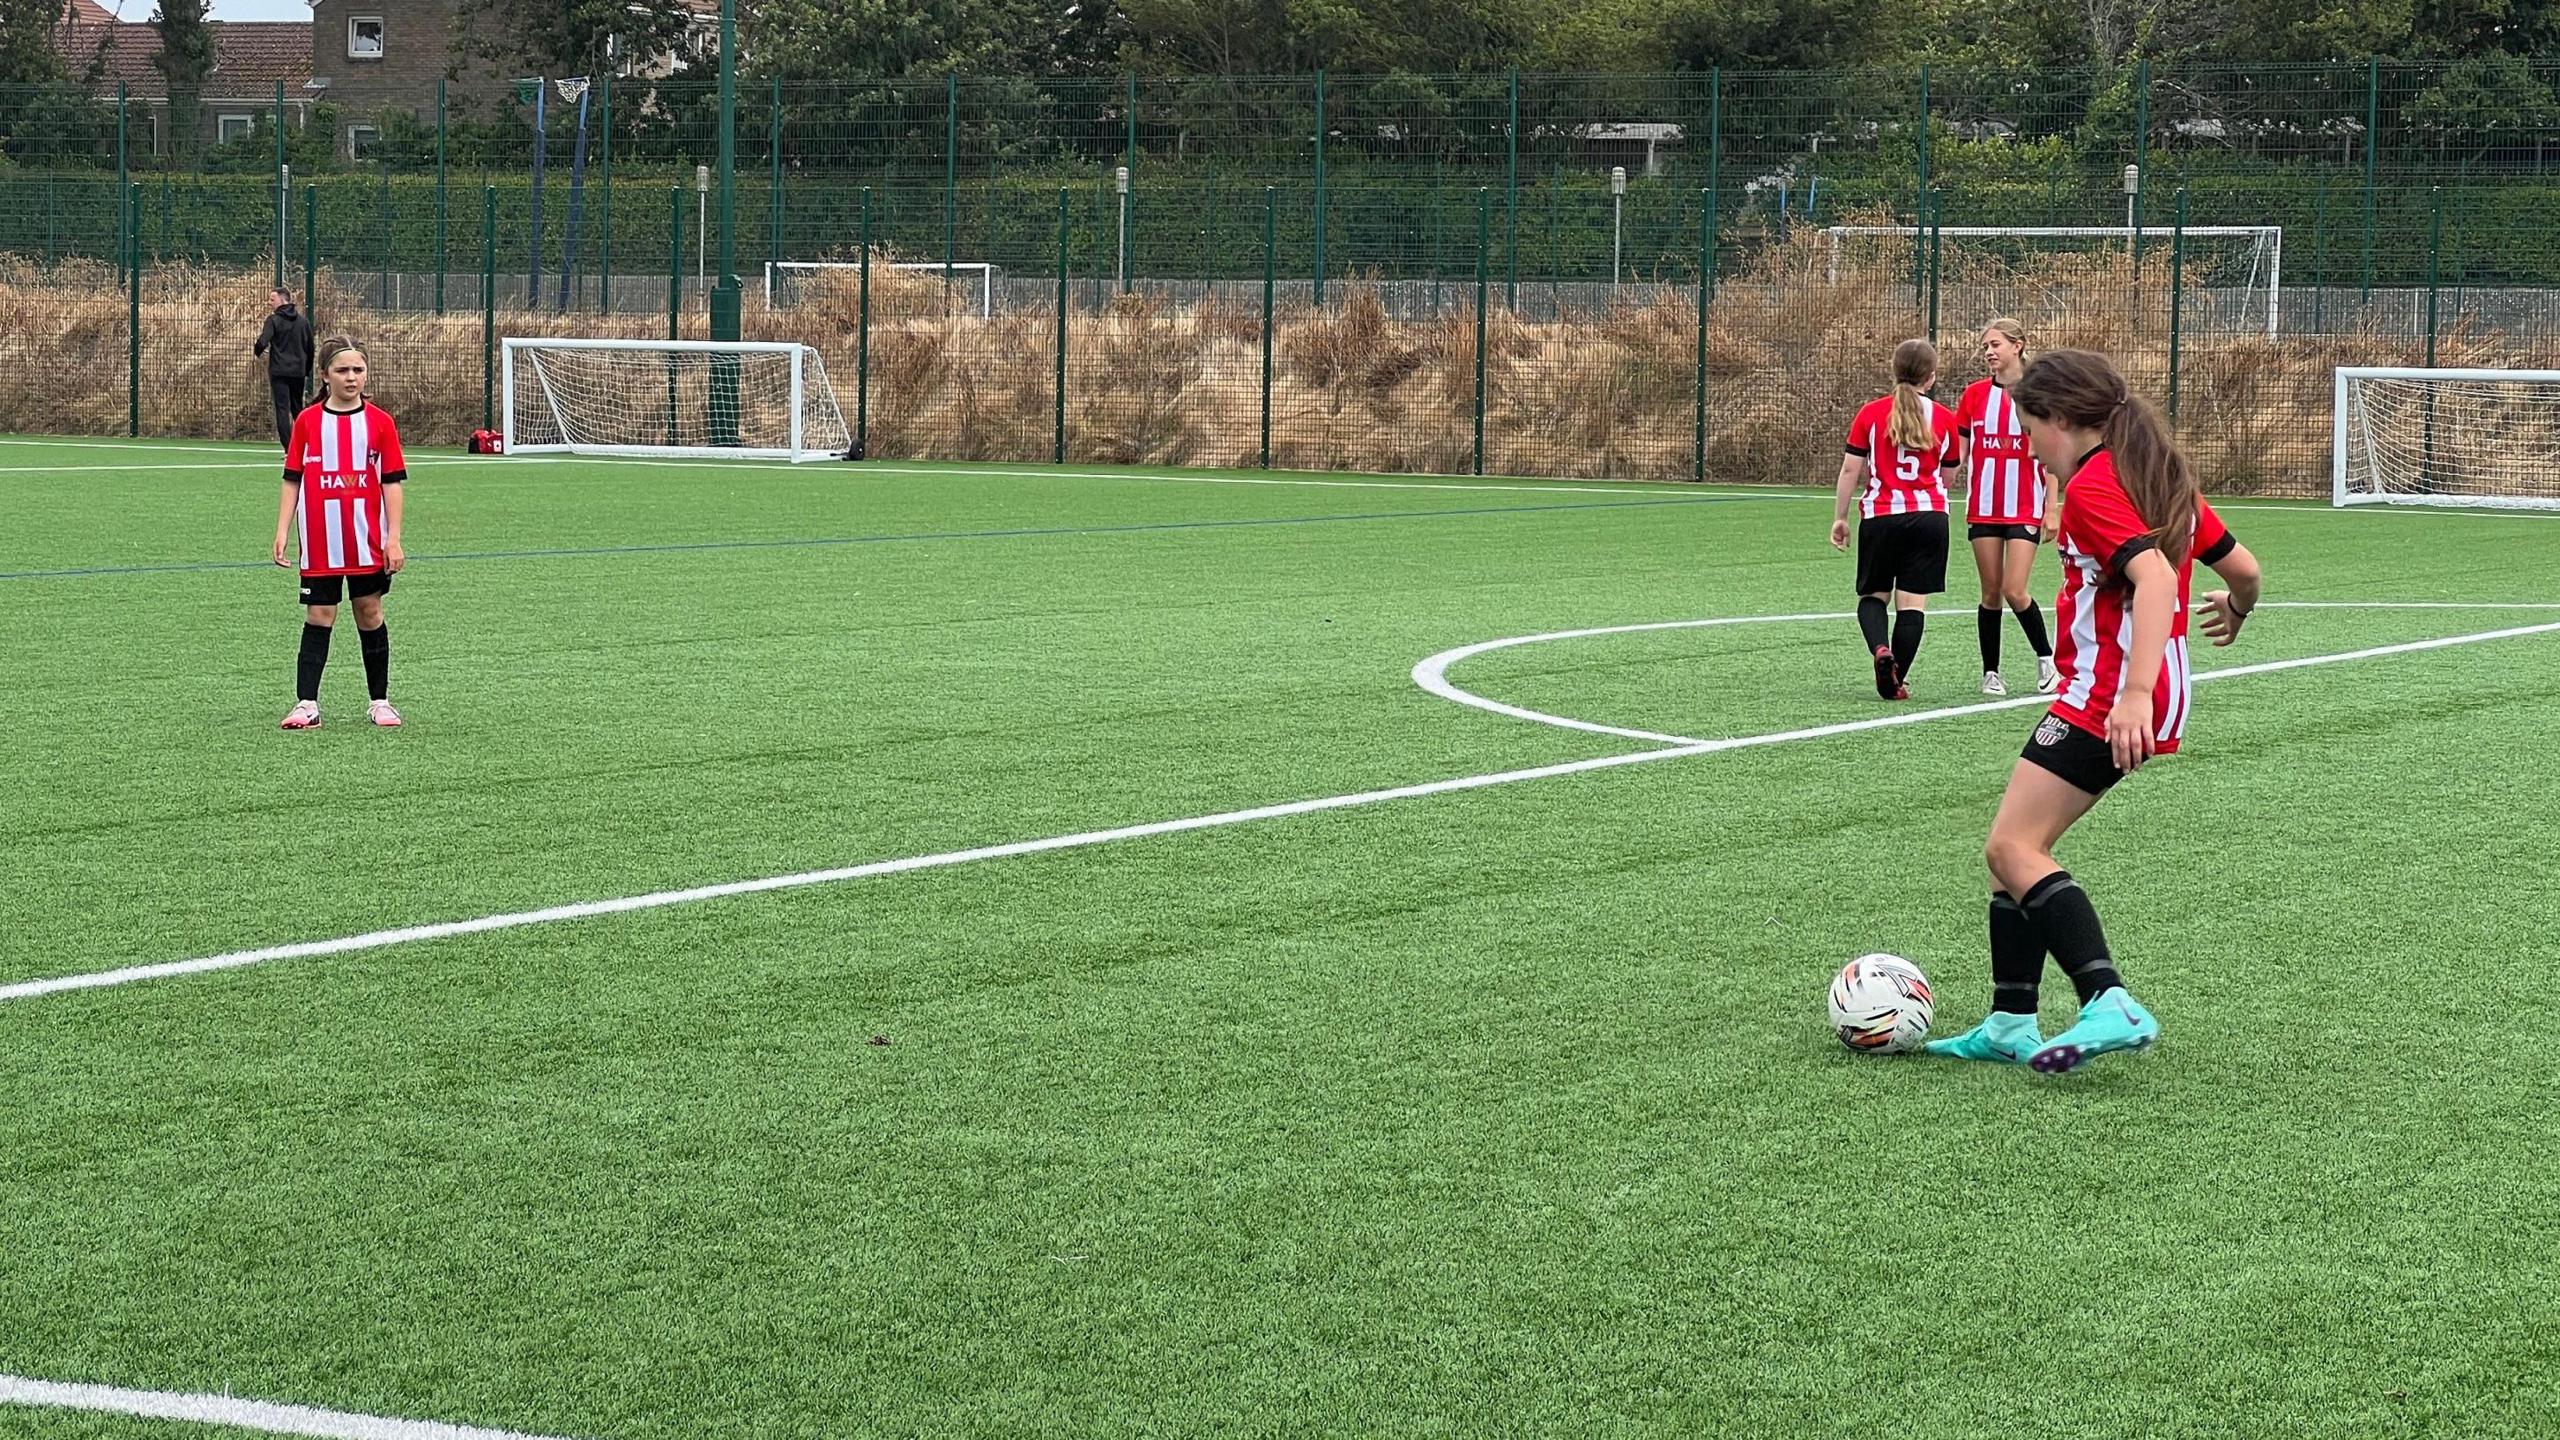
[2082,760]
[2030,533]
[1903,552]
[324,589]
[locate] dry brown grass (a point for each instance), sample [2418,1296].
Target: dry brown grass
[1791,352]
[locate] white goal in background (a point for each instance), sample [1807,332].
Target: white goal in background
[713,399]
[2407,436]
[972,282]
[2246,261]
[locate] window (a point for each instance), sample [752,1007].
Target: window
[361,140]
[364,37]
[227,128]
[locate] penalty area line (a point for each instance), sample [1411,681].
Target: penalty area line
[1086,839]
[224,1410]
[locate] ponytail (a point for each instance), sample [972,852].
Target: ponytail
[2156,475]
[1915,363]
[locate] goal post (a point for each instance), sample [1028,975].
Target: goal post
[711,399]
[2404,435]
[786,280]
[2262,281]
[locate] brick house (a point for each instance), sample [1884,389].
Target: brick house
[368,56]
[251,58]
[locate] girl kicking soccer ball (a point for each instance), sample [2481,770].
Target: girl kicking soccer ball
[2133,524]
[1900,444]
[2009,503]
[341,507]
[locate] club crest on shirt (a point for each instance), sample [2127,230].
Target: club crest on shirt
[2050,733]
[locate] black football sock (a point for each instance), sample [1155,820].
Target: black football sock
[1906,639]
[376,643]
[1871,622]
[2031,620]
[2017,957]
[2068,925]
[1986,623]
[314,659]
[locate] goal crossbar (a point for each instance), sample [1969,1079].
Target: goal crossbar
[2269,236]
[979,275]
[2463,438]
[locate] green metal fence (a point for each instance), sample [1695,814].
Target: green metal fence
[1156,212]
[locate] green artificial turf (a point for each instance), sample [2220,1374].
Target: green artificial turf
[1503,1112]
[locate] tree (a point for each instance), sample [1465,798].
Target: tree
[28,53]
[187,50]
[568,37]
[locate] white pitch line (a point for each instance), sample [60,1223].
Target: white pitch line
[661,899]
[276,1419]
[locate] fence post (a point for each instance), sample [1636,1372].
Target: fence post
[1924,137]
[284,187]
[1920,253]
[2319,255]
[2435,246]
[862,347]
[1438,204]
[440,198]
[1935,221]
[1058,444]
[1129,197]
[675,295]
[1555,240]
[950,184]
[1511,212]
[2177,298]
[133,311]
[2141,167]
[124,177]
[604,204]
[1706,288]
[1484,244]
[775,252]
[388,231]
[2372,162]
[1320,195]
[311,255]
[488,306]
[1715,165]
[1270,284]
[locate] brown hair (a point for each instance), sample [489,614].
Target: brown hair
[1915,363]
[330,350]
[2080,389]
[2016,332]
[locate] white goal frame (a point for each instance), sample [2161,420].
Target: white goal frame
[984,284]
[2273,234]
[2342,421]
[800,355]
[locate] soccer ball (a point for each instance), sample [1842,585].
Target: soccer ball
[1881,1004]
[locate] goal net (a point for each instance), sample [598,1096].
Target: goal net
[969,285]
[709,398]
[2233,273]
[2446,437]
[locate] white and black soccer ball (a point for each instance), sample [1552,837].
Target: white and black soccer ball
[1880,1004]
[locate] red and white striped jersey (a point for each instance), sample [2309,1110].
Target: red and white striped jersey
[2100,533]
[1902,482]
[342,460]
[2003,483]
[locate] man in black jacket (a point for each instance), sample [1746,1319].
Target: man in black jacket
[286,342]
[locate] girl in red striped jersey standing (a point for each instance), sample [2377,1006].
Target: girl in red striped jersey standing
[2133,524]
[2010,503]
[1900,445]
[341,509]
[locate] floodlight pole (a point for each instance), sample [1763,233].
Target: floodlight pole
[1617,221]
